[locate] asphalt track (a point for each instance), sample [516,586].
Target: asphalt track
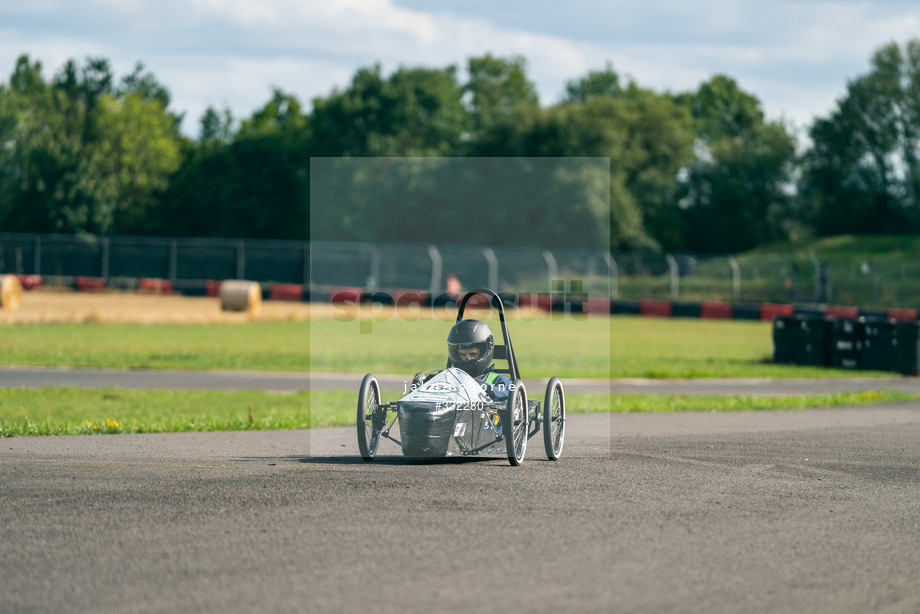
[789,511]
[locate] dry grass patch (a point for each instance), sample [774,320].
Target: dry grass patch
[59,306]
[64,307]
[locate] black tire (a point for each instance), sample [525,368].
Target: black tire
[370,421]
[516,423]
[554,418]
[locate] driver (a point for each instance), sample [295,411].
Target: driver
[470,346]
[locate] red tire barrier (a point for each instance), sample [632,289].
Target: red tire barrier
[545,302]
[770,310]
[526,301]
[89,284]
[902,315]
[150,285]
[29,282]
[345,294]
[212,288]
[651,307]
[596,305]
[838,311]
[286,292]
[716,310]
[405,298]
[479,301]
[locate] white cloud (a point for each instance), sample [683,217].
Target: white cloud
[795,56]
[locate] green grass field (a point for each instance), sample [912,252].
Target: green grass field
[71,411]
[595,347]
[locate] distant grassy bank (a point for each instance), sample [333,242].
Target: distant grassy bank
[888,247]
[869,271]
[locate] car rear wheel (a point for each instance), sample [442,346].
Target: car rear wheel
[554,418]
[370,421]
[516,423]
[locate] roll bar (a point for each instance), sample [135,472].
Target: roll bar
[504,351]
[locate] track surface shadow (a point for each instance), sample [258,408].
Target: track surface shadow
[380,460]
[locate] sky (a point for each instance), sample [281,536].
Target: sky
[796,57]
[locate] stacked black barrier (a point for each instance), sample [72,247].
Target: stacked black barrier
[686,310]
[846,348]
[908,355]
[746,311]
[800,340]
[903,347]
[625,307]
[867,343]
[880,344]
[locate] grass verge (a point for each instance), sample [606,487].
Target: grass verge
[600,347]
[77,411]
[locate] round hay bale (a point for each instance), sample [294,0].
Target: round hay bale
[10,292]
[238,295]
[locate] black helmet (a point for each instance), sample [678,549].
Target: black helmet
[469,334]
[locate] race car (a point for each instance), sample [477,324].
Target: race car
[448,413]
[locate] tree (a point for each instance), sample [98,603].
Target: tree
[215,127]
[497,88]
[738,190]
[603,83]
[137,150]
[862,173]
[281,114]
[646,136]
[83,155]
[659,141]
[45,184]
[145,85]
[413,112]
[253,183]
[496,201]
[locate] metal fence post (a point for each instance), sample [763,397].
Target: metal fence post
[374,279]
[551,267]
[492,259]
[240,260]
[37,264]
[437,264]
[614,275]
[173,260]
[675,275]
[819,291]
[105,258]
[736,278]
[876,283]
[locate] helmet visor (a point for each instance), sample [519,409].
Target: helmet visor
[466,353]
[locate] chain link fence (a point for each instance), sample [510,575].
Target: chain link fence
[189,263]
[798,278]
[388,266]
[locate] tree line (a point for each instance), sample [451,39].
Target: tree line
[701,171]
